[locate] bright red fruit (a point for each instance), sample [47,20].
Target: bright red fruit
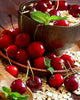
[61,23]
[49,4]
[56,80]
[41,6]
[36,49]
[34,84]
[71,83]
[13,70]
[22,40]
[68,58]
[7,32]
[22,56]
[11,51]
[5,41]
[56,63]
[51,55]
[54,12]
[63,5]
[74,10]
[39,63]
[18,86]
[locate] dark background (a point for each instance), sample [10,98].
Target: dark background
[12,6]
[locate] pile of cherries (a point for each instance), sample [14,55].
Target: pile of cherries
[53,8]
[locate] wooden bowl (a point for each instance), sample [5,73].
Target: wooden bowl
[56,38]
[37,71]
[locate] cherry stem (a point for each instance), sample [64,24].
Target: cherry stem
[11,20]
[3,28]
[8,58]
[31,69]
[64,67]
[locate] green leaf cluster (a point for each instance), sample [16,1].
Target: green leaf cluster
[13,95]
[48,65]
[45,17]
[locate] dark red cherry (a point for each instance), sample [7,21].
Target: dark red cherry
[22,56]
[61,23]
[7,32]
[13,70]
[56,80]
[63,5]
[49,4]
[18,86]
[36,49]
[71,83]
[39,63]
[69,59]
[34,84]
[74,10]
[22,40]
[5,41]
[54,12]
[41,6]
[11,51]
[51,55]
[56,63]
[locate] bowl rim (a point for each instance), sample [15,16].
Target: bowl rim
[32,1]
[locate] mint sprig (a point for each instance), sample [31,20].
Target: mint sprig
[45,17]
[13,95]
[48,65]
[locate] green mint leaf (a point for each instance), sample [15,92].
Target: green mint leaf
[47,16]
[6,91]
[53,17]
[51,70]
[38,16]
[47,62]
[18,96]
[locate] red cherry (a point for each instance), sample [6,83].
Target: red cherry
[74,10]
[49,4]
[41,6]
[39,63]
[71,83]
[61,23]
[56,63]
[46,1]
[54,12]
[69,59]
[22,40]
[7,32]
[5,41]
[22,56]
[36,49]
[18,86]
[13,70]
[63,5]
[56,80]
[14,32]
[11,51]
[35,84]
[51,55]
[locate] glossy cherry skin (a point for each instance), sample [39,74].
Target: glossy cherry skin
[49,4]
[68,58]
[36,49]
[54,12]
[51,55]
[56,63]
[5,41]
[18,86]
[56,80]
[74,10]
[71,83]
[35,84]
[22,40]
[39,63]
[11,51]
[13,70]
[41,6]
[61,23]
[63,5]
[22,56]
[7,32]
